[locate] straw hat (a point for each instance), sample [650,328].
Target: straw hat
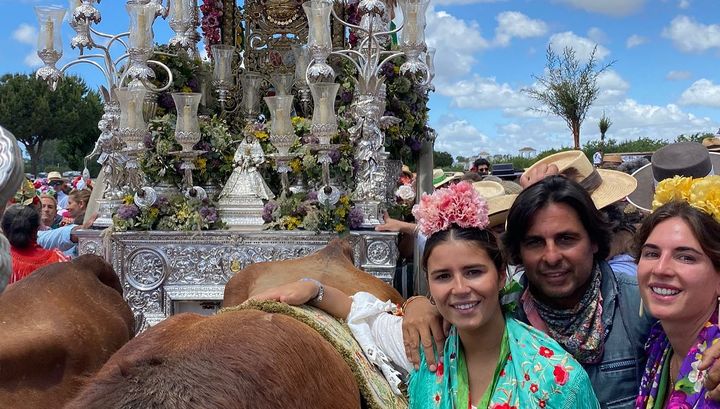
[604,185]
[440,178]
[499,202]
[677,159]
[712,143]
[406,170]
[54,175]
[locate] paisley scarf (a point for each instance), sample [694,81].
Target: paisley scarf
[687,390]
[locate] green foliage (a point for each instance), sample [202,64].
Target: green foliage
[36,115]
[442,159]
[567,88]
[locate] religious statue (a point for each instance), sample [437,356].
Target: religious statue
[241,201]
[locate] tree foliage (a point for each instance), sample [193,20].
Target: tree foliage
[604,124]
[442,159]
[568,88]
[36,115]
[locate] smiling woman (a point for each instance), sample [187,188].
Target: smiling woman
[485,359]
[679,277]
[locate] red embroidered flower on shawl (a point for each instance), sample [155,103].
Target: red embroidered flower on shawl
[561,375]
[546,352]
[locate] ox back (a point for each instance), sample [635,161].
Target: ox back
[234,360]
[58,327]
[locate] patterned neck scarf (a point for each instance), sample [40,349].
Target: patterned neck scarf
[580,329]
[688,390]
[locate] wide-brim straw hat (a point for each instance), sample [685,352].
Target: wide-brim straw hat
[499,202]
[440,177]
[712,143]
[54,175]
[689,159]
[604,185]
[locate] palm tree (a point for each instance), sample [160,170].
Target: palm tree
[604,124]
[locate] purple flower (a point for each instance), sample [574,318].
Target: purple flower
[678,400]
[311,196]
[209,214]
[356,217]
[300,211]
[414,144]
[166,101]
[334,156]
[127,212]
[147,140]
[346,97]
[268,210]
[194,85]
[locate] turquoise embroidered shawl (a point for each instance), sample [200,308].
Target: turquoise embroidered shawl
[536,372]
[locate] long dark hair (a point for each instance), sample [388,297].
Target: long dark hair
[554,189]
[703,226]
[20,225]
[485,239]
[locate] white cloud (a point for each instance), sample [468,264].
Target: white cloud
[25,34]
[678,75]
[616,8]
[459,137]
[690,36]
[702,92]
[684,4]
[597,35]
[612,87]
[483,93]
[583,46]
[464,2]
[512,24]
[456,42]
[634,41]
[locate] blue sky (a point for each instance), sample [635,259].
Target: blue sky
[665,80]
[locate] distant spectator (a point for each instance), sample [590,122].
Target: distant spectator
[597,158]
[49,218]
[60,185]
[20,224]
[77,204]
[481,166]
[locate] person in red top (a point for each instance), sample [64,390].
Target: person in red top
[20,225]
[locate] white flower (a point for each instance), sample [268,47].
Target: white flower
[406,193]
[696,376]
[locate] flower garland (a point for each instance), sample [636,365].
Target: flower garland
[305,211]
[701,193]
[212,13]
[189,75]
[178,213]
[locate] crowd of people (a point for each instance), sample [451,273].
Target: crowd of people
[584,326]
[40,222]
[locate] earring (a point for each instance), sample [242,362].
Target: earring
[432,300]
[642,312]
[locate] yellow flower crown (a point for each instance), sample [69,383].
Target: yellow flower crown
[702,193]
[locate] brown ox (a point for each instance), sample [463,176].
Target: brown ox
[58,327]
[238,359]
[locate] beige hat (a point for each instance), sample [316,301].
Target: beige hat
[54,176]
[406,170]
[712,143]
[499,202]
[604,185]
[440,178]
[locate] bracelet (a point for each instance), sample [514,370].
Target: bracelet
[320,292]
[411,299]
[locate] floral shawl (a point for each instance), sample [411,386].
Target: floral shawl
[688,390]
[533,372]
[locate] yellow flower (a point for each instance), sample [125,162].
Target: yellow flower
[676,188]
[396,69]
[296,165]
[339,228]
[261,135]
[345,200]
[186,89]
[295,120]
[341,212]
[705,195]
[128,199]
[201,164]
[154,211]
[291,222]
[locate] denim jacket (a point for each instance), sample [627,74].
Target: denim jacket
[616,378]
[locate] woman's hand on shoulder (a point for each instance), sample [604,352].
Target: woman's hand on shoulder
[295,293]
[422,323]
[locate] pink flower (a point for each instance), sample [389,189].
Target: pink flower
[457,204]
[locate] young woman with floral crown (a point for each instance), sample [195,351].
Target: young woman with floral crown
[489,360]
[678,256]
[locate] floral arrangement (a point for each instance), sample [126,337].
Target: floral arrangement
[212,167]
[458,204]
[701,193]
[212,12]
[177,213]
[306,211]
[189,75]
[404,198]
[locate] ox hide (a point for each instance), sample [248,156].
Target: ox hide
[233,360]
[58,326]
[239,359]
[332,265]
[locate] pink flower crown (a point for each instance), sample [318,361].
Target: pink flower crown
[458,204]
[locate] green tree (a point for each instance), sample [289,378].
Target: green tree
[442,159]
[568,88]
[604,125]
[36,115]
[696,137]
